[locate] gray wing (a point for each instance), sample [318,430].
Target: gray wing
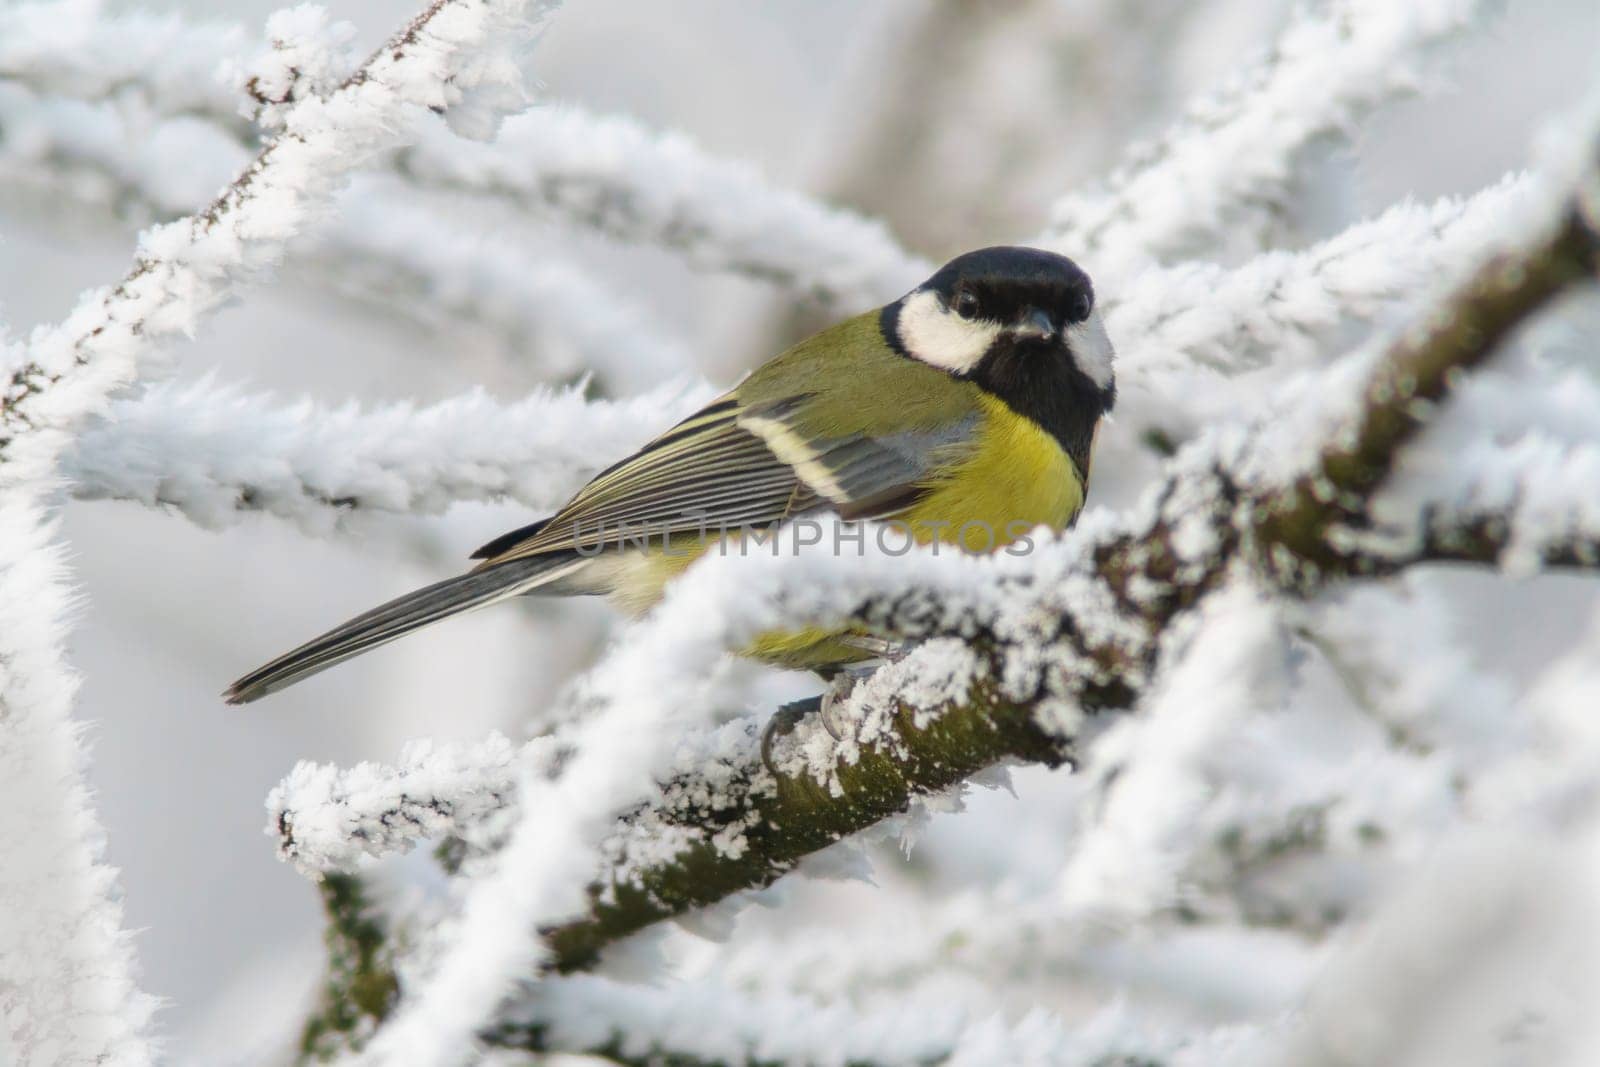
[731,465]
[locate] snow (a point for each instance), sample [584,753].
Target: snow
[307,55]
[329,819]
[1152,770]
[1314,829]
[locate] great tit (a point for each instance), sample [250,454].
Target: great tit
[964,412]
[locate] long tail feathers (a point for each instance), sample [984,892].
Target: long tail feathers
[397,618]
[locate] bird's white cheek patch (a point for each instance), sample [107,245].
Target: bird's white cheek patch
[941,337]
[1091,349]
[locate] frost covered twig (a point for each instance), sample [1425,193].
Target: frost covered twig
[1229,663]
[643,1026]
[88,153]
[638,1025]
[612,175]
[1226,170]
[1279,307]
[537,311]
[1533,522]
[327,819]
[213,453]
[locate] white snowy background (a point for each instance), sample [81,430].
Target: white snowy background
[1019,924]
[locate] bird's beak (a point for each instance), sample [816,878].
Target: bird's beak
[1034,325]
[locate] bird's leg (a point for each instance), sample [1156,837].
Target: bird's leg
[883,648]
[895,651]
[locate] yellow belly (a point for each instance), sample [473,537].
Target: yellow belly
[1015,478]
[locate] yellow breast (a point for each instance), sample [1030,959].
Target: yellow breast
[1014,478]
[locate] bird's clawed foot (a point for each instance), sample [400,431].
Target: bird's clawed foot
[783,721]
[840,686]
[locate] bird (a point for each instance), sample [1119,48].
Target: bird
[967,408]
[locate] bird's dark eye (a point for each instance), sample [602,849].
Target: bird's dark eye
[964,304]
[1080,309]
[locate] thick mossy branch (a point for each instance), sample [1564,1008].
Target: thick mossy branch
[776,822]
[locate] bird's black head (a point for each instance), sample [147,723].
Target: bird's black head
[1021,323]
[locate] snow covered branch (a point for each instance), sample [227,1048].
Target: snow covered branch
[1305,524]
[614,176]
[1537,518]
[327,819]
[1226,171]
[536,311]
[642,1026]
[213,453]
[756,828]
[1280,308]
[645,1025]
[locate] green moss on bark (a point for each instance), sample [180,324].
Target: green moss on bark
[360,988]
[796,817]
